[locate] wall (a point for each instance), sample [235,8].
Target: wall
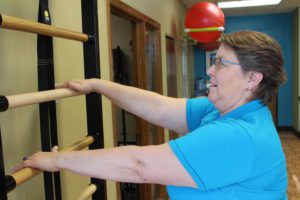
[200,62]
[273,25]
[18,71]
[296,71]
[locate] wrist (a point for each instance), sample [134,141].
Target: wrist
[59,161]
[96,85]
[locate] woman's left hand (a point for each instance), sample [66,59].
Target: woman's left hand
[45,161]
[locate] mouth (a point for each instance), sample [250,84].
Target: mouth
[209,85]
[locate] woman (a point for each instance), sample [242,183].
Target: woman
[229,149]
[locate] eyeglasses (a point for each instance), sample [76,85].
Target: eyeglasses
[219,62]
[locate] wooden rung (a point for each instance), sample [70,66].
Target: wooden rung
[19,100]
[14,23]
[87,192]
[27,173]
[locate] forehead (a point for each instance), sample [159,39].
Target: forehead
[226,52]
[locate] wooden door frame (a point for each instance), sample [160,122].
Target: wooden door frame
[140,21]
[176,56]
[172,134]
[158,86]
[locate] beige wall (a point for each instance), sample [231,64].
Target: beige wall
[18,60]
[18,74]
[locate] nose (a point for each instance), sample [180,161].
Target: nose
[211,70]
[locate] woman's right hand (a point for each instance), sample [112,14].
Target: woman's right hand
[84,86]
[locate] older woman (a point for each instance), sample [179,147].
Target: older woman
[229,149]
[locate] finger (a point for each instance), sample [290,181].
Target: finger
[25,158]
[70,84]
[74,85]
[17,167]
[54,149]
[58,86]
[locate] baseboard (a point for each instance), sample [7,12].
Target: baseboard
[288,129]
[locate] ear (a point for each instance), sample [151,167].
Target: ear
[254,78]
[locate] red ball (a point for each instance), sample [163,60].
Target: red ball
[204,15]
[210,46]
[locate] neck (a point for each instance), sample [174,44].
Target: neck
[234,105]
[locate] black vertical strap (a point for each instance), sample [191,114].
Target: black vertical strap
[3,191]
[48,122]
[43,110]
[92,70]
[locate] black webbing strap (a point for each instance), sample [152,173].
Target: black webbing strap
[4,104]
[0,19]
[91,52]
[3,189]
[46,81]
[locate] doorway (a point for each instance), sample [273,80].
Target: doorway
[136,56]
[124,73]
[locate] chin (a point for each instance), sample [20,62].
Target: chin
[211,97]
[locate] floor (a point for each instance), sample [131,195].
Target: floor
[291,147]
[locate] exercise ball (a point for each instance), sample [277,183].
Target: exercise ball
[210,46]
[204,15]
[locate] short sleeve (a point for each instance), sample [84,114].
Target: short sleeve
[196,110]
[215,155]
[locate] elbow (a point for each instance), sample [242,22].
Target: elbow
[141,168]
[141,172]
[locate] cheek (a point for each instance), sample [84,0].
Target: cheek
[231,84]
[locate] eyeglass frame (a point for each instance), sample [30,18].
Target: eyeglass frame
[223,62]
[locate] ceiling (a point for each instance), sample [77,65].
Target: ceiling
[284,7]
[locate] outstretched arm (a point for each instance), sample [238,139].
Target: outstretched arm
[160,110]
[149,164]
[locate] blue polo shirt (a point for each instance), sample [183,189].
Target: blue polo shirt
[237,156]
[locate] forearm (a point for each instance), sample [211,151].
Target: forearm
[118,164]
[132,99]
[148,164]
[153,107]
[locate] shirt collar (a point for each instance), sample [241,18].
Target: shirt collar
[245,108]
